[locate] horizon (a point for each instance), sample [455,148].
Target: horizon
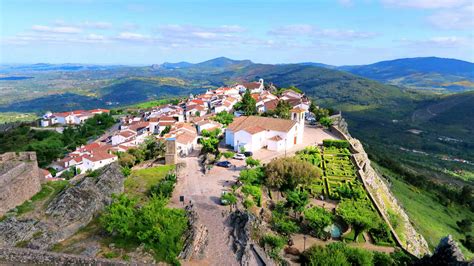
[344,32]
[197,62]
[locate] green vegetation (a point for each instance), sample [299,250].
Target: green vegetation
[141,181]
[165,187]
[210,141]
[251,162]
[317,219]
[338,254]
[247,105]
[8,117]
[224,118]
[50,145]
[48,191]
[288,173]
[358,213]
[153,224]
[152,103]
[430,217]
[228,199]
[275,244]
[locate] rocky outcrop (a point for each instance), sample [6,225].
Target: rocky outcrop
[446,253]
[72,209]
[23,256]
[246,251]
[196,238]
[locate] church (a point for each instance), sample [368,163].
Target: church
[251,133]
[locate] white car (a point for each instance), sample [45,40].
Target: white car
[239,156]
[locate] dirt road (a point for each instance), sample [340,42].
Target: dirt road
[204,192]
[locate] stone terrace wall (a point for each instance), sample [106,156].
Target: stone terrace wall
[382,197]
[38,257]
[19,179]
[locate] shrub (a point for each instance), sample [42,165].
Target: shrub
[228,199]
[252,162]
[248,203]
[228,154]
[252,176]
[288,173]
[254,191]
[275,243]
[317,219]
[336,143]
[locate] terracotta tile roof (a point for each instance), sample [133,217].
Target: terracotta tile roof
[99,111]
[251,85]
[138,125]
[44,172]
[276,138]
[254,129]
[268,123]
[271,105]
[298,110]
[166,123]
[99,156]
[185,137]
[127,133]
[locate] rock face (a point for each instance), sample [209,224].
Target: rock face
[446,253]
[196,238]
[19,179]
[68,212]
[248,253]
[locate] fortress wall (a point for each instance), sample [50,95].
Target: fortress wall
[20,179]
[380,194]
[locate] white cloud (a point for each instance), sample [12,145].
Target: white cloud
[312,32]
[426,4]
[454,19]
[65,30]
[132,36]
[198,36]
[440,42]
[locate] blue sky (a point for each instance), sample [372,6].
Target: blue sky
[338,32]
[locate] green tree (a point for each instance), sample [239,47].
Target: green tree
[465,225]
[325,256]
[251,162]
[209,145]
[282,109]
[325,121]
[252,176]
[166,130]
[119,217]
[317,219]
[290,172]
[358,213]
[248,105]
[153,148]
[320,113]
[297,200]
[224,118]
[126,159]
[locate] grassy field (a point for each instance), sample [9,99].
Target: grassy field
[149,104]
[8,117]
[430,218]
[140,181]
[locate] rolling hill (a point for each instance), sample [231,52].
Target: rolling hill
[422,73]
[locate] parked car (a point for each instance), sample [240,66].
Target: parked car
[225,164]
[239,156]
[248,154]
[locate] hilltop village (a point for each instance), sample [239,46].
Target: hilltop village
[242,175]
[184,123]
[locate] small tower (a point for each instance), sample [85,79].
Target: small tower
[298,115]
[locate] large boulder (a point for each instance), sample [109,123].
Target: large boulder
[72,209]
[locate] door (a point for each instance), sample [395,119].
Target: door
[295,140]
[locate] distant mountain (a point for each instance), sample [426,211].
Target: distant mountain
[421,72]
[224,62]
[318,65]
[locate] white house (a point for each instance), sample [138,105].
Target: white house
[123,136]
[254,132]
[97,160]
[186,142]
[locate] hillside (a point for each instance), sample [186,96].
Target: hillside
[421,73]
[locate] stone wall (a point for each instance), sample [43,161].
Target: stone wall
[381,196]
[19,179]
[37,257]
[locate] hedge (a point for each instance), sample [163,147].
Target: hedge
[336,143]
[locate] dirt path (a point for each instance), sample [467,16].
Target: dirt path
[204,192]
[299,243]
